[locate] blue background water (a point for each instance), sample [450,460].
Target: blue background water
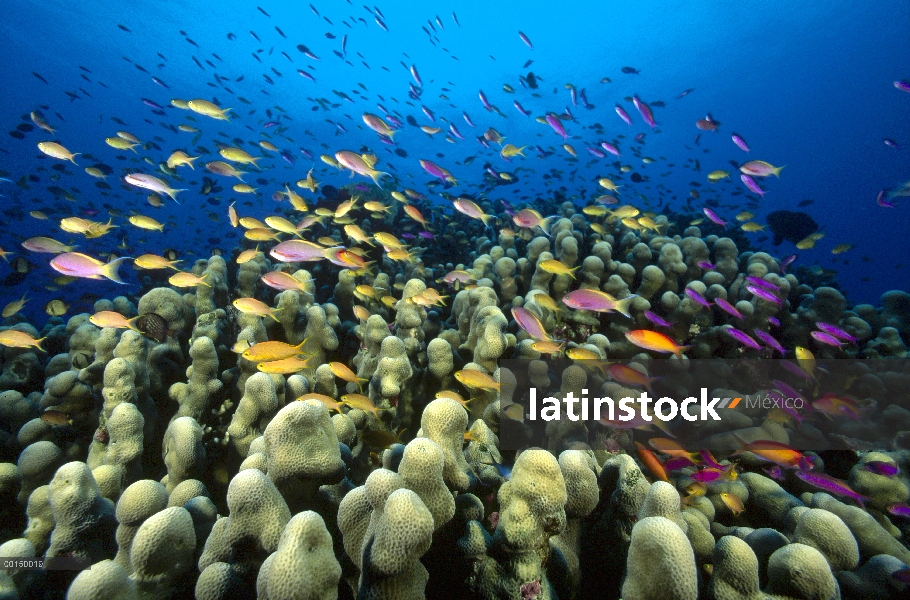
[808,85]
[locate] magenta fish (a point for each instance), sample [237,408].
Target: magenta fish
[739,141]
[713,216]
[556,124]
[762,283]
[775,472]
[786,263]
[525,39]
[610,148]
[774,321]
[530,323]
[595,152]
[703,264]
[826,338]
[623,115]
[645,111]
[880,467]
[483,100]
[707,475]
[882,201]
[678,463]
[656,319]
[830,484]
[796,370]
[520,108]
[899,510]
[697,298]
[742,337]
[769,340]
[408,236]
[426,235]
[903,85]
[752,185]
[728,308]
[763,294]
[836,332]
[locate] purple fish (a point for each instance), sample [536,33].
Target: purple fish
[270,124]
[796,370]
[763,294]
[752,185]
[762,283]
[306,153]
[786,263]
[555,123]
[151,103]
[713,216]
[902,575]
[882,201]
[742,337]
[595,152]
[769,339]
[520,108]
[645,111]
[774,321]
[675,464]
[698,298]
[425,234]
[892,143]
[610,148]
[428,113]
[287,157]
[826,338]
[467,119]
[836,332]
[483,100]
[728,308]
[408,236]
[362,187]
[880,467]
[899,510]
[775,472]
[703,264]
[455,131]
[710,460]
[785,389]
[739,141]
[525,39]
[707,475]
[830,484]
[903,85]
[656,319]
[623,115]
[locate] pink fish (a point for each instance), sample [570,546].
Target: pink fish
[836,332]
[830,484]
[826,338]
[597,301]
[762,283]
[742,337]
[623,115]
[763,294]
[769,339]
[713,216]
[703,264]
[556,124]
[677,463]
[610,148]
[525,39]
[707,475]
[880,467]
[645,111]
[752,185]
[530,323]
[697,298]
[774,321]
[728,308]
[883,201]
[899,510]
[739,141]
[437,171]
[76,264]
[595,152]
[786,263]
[298,251]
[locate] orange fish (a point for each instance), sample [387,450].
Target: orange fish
[650,460]
[779,454]
[658,342]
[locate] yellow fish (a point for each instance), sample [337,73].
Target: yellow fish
[143,222]
[718,175]
[153,261]
[183,279]
[208,109]
[268,351]
[476,380]
[557,268]
[14,307]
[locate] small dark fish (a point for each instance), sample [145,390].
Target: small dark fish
[56,418]
[153,326]
[330,35]
[192,42]
[124,28]
[40,77]
[262,10]
[256,37]
[231,36]
[281,33]
[313,8]
[528,64]
[686,93]
[630,70]
[805,203]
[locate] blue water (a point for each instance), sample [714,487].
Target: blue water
[809,86]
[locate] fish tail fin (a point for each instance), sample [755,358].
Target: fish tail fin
[680,349]
[38,344]
[202,280]
[110,269]
[73,156]
[129,324]
[777,171]
[173,194]
[622,307]
[376,176]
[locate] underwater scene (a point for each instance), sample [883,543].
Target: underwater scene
[470,300]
